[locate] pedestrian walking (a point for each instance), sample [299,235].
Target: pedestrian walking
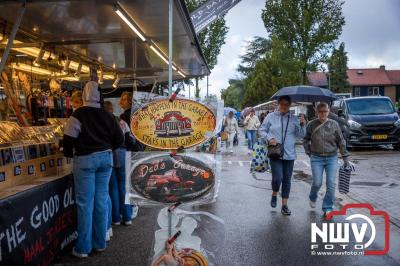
[231,128]
[262,117]
[322,141]
[252,124]
[280,130]
[90,136]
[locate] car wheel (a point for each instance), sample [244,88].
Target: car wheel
[396,147]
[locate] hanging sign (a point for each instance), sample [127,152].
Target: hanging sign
[165,124]
[168,179]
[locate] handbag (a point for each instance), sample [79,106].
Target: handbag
[259,162]
[344,178]
[276,152]
[224,135]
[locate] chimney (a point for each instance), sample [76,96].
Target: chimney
[382,67]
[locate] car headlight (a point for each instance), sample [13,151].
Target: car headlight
[397,123]
[354,124]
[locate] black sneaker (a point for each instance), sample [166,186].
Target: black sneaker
[285,210]
[274,200]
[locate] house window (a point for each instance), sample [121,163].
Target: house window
[357,91]
[373,91]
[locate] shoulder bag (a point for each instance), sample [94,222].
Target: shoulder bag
[276,152]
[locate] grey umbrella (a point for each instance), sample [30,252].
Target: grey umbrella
[304,93]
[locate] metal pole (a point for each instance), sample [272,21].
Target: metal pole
[329,79]
[207,86]
[170,25]
[12,37]
[169,224]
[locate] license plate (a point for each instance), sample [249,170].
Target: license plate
[379,136]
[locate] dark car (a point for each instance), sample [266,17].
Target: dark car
[372,121]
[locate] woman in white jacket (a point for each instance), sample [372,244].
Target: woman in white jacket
[231,128]
[252,124]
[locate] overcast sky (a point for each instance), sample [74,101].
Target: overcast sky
[371,36]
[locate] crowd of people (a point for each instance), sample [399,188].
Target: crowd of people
[97,140]
[278,131]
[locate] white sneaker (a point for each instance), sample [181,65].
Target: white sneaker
[109,235]
[135,210]
[117,223]
[79,255]
[231,151]
[127,222]
[312,204]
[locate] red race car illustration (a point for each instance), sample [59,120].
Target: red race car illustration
[173,124]
[167,183]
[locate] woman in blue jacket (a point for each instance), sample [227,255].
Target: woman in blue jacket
[282,127]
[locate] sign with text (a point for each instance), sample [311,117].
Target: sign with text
[38,224]
[210,11]
[167,179]
[164,124]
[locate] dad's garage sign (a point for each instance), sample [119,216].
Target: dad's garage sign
[167,179]
[165,124]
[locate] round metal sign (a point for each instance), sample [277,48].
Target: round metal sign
[164,124]
[168,179]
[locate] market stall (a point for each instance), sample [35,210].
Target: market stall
[49,49]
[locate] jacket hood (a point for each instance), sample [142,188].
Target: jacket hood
[91,94]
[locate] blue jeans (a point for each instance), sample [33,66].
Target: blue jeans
[91,177]
[318,165]
[251,138]
[282,171]
[117,192]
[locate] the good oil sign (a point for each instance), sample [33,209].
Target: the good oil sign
[165,124]
[37,225]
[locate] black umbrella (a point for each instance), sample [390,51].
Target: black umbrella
[304,93]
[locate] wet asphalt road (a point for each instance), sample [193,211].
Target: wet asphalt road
[252,234]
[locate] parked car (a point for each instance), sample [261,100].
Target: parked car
[372,121]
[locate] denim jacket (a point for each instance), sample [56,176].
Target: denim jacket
[272,128]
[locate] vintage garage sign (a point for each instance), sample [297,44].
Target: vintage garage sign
[168,179]
[182,123]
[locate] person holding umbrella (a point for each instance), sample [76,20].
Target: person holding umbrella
[322,141]
[280,130]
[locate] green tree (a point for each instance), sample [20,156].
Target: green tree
[211,39]
[259,85]
[309,27]
[276,69]
[233,95]
[337,66]
[255,50]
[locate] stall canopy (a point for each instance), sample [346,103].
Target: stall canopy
[123,40]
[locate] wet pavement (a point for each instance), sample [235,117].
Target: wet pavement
[253,233]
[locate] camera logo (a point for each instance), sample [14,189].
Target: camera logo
[350,236]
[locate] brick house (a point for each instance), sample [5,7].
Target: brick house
[365,82]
